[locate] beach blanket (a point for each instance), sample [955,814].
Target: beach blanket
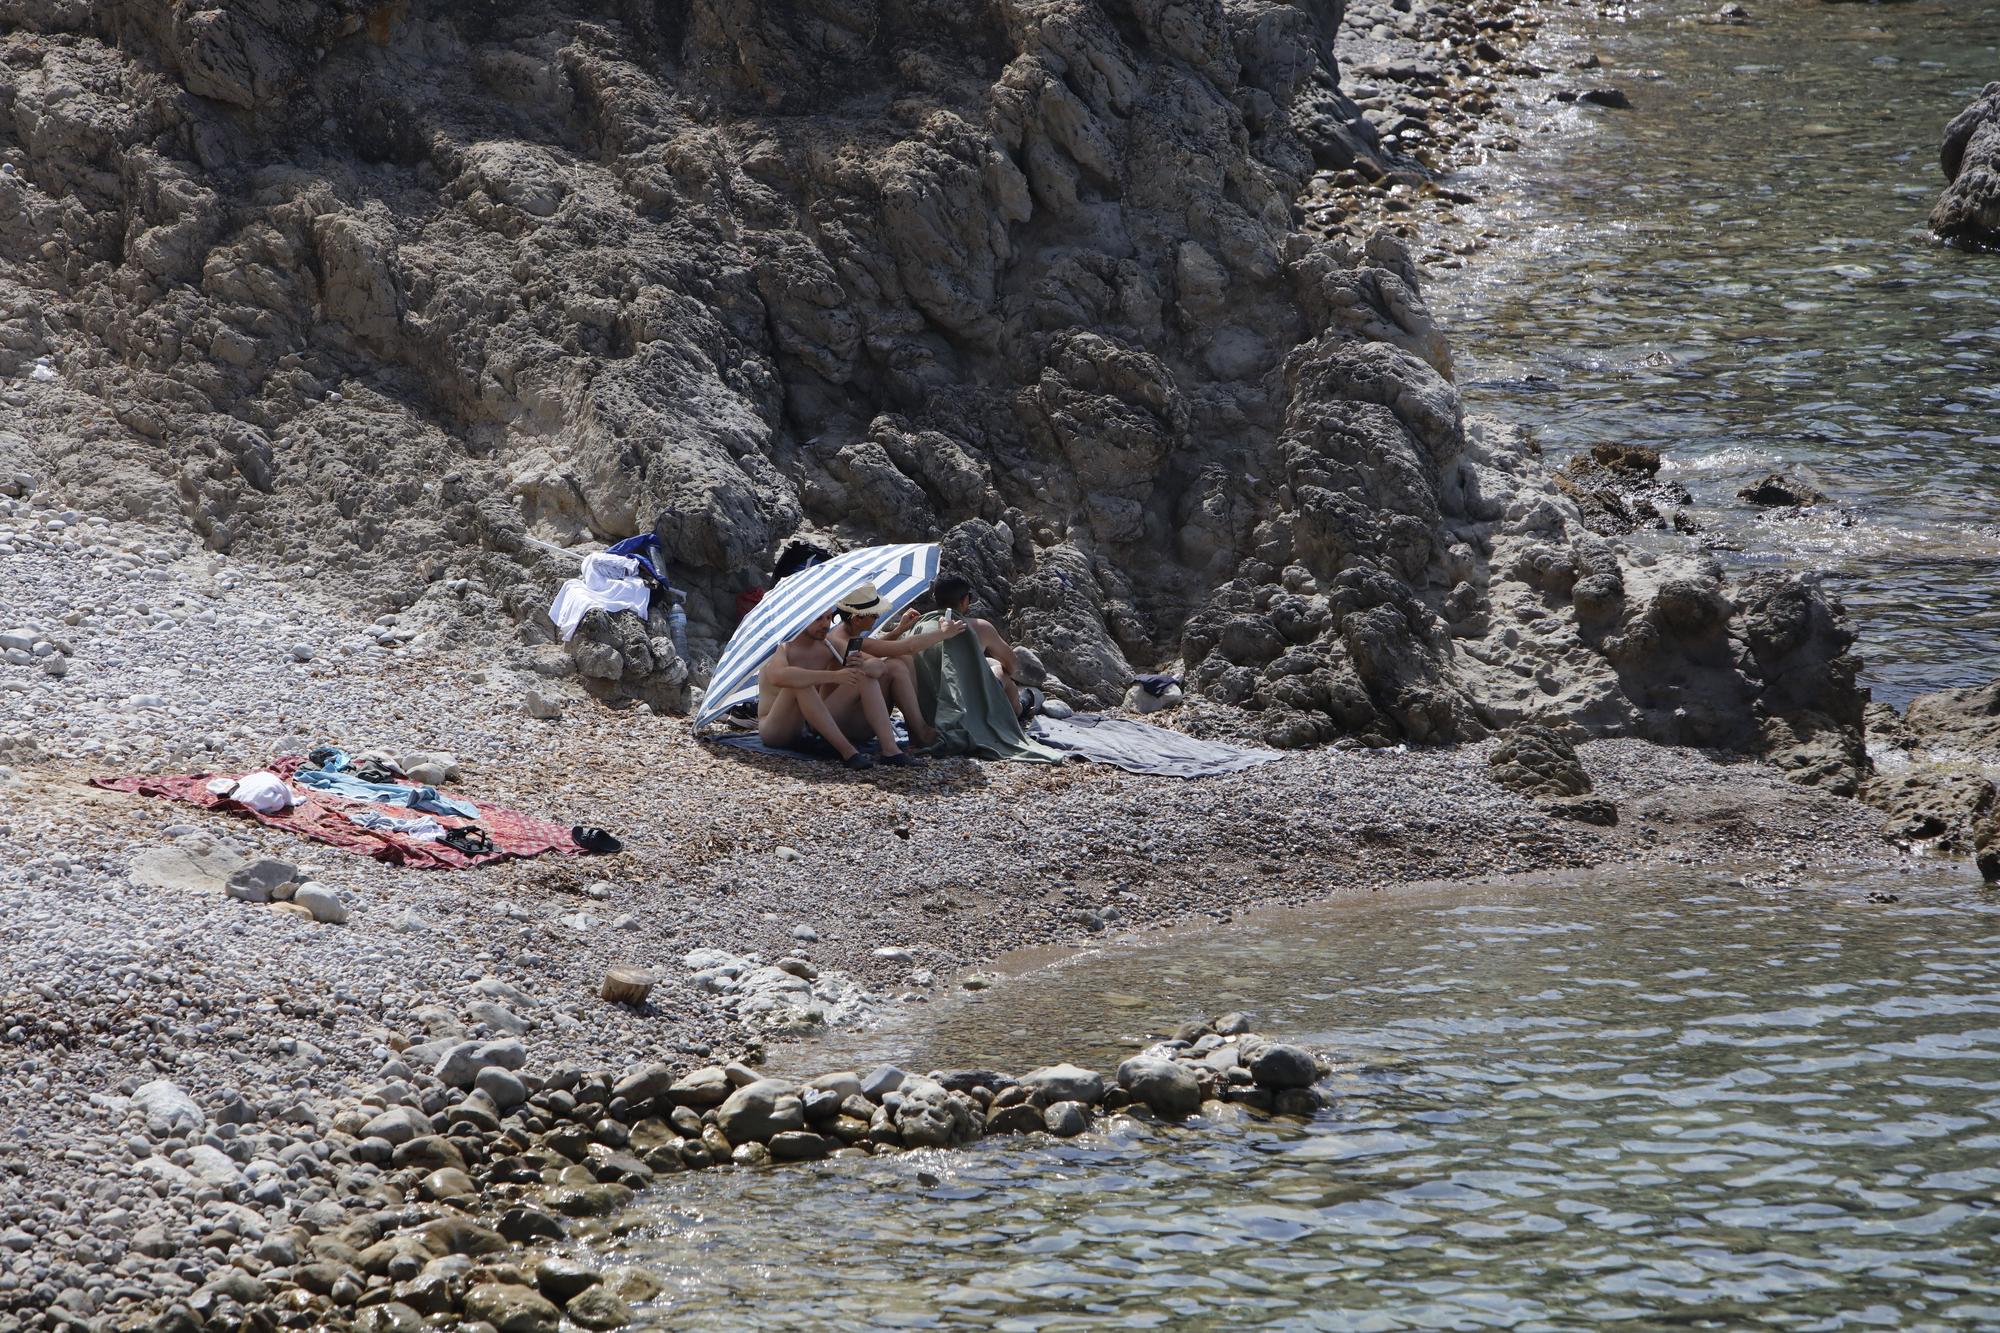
[329,818]
[1138,747]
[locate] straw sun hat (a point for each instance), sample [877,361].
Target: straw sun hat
[863,601]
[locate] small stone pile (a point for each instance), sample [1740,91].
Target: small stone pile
[453,1182]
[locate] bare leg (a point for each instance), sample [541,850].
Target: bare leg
[858,711]
[779,724]
[1000,656]
[809,707]
[1007,684]
[876,709]
[900,684]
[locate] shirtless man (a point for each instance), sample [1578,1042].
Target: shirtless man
[885,657]
[952,595]
[806,688]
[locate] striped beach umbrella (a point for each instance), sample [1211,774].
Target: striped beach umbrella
[899,573]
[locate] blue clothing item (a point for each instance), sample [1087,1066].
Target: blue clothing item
[331,758]
[645,548]
[385,793]
[1156,685]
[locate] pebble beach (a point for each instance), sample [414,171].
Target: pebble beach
[145,653]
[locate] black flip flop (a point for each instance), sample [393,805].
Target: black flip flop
[595,840]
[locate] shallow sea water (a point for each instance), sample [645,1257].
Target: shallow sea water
[1738,272]
[1635,1101]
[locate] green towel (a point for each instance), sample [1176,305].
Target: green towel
[966,703]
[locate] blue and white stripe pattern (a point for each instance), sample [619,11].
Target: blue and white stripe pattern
[899,573]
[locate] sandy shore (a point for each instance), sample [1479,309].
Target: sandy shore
[891,886]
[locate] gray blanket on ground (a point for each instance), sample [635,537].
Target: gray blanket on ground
[1132,746]
[1138,747]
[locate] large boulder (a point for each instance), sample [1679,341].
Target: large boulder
[1167,1087]
[1538,762]
[757,1111]
[1968,213]
[1064,1083]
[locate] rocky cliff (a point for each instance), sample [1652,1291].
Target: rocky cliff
[385,289]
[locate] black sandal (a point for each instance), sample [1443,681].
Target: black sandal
[858,761]
[470,840]
[595,840]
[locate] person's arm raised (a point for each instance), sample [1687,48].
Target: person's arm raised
[911,643]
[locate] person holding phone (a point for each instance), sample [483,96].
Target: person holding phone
[806,689]
[885,657]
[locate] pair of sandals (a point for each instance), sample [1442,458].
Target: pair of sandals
[474,841]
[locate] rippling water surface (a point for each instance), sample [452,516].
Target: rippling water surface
[1738,271]
[1646,1102]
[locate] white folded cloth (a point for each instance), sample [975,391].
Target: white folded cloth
[608,581]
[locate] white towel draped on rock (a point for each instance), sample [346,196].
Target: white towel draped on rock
[608,581]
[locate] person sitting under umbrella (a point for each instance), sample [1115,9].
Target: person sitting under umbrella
[886,656]
[952,596]
[806,688]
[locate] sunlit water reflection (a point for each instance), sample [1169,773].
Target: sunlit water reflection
[1612,1100]
[1738,272]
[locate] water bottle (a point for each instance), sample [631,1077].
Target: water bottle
[677,628]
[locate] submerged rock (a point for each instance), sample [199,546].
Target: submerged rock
[1777,491]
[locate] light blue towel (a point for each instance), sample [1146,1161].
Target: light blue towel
[385,793]
[421,829]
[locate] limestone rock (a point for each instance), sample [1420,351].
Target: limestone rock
[701,1089]
[931,1116]
[1964,720]
[1777,491]
[1537,761]
[1064,1083]
[1066,1120]
[168,1111]
[460,1065]
[1936,805]
[512,1309]
[1279,1066]
[598,1308]
[1968,213]
[1055,311]
[324,904]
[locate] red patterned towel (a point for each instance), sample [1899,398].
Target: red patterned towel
[323,817]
